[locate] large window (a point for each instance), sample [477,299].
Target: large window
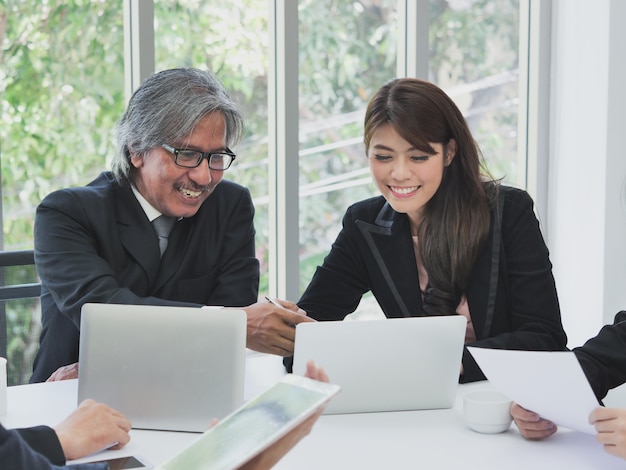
[62,90]
[347,50]
[231,39]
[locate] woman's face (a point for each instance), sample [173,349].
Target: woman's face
[406,177]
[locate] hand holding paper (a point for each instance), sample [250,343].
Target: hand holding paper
[550,383]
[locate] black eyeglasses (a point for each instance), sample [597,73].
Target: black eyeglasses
[218,161]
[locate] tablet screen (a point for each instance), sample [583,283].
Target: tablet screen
[257,424]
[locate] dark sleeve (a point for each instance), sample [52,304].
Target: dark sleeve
[529,316]
[338,285]
[603,357]
[44,440]
[15,453]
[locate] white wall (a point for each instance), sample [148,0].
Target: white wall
[586,215]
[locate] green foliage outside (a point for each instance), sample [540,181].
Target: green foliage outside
[61,79]
[22,325]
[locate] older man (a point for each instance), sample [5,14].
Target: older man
[103,242]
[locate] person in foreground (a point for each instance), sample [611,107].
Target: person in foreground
[89,428]
[94,426]
[603,360]
[443,238]
[99,243]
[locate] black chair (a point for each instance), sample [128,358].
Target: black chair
[20,313]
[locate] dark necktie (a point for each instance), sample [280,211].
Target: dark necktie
[163,226]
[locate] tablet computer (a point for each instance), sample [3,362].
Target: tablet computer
[256,425]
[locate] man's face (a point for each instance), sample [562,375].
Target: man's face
[175,191]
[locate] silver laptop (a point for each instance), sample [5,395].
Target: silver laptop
[385,365]
[165,368]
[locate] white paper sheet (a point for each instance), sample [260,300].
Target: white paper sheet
[552,384]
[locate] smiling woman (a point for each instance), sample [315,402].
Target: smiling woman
[407,177]
[438,156]
[434,242]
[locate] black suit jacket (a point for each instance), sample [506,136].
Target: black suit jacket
[603,357]
[95,244]
[374,252]
[44,440]
[36,448]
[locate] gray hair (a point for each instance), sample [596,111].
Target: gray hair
[165,108]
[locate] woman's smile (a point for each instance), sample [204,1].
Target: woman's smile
[405,191]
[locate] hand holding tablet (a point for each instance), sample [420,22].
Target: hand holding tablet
[254,427]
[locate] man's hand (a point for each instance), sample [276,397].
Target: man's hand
[90,428]
[64,373]
[531,425]
[271,329]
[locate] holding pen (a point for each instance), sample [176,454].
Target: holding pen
[275,302]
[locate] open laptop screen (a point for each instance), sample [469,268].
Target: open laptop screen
[168,368]
[386,365]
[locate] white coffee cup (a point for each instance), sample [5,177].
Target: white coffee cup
[3,387]
[487,411]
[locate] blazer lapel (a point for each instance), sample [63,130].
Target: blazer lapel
[389,240]
[175,253]
[136,234]
[483,286]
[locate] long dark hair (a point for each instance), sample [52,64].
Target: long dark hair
[457,218]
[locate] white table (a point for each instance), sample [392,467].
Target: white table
[438,439]
[429,439]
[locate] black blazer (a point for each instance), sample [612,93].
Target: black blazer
[36,448]
[44,441]
[603,357]
[95,244]
[374,252]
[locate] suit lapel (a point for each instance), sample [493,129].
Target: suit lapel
[389,240]
[136,234]
[175,253]
[479,289]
